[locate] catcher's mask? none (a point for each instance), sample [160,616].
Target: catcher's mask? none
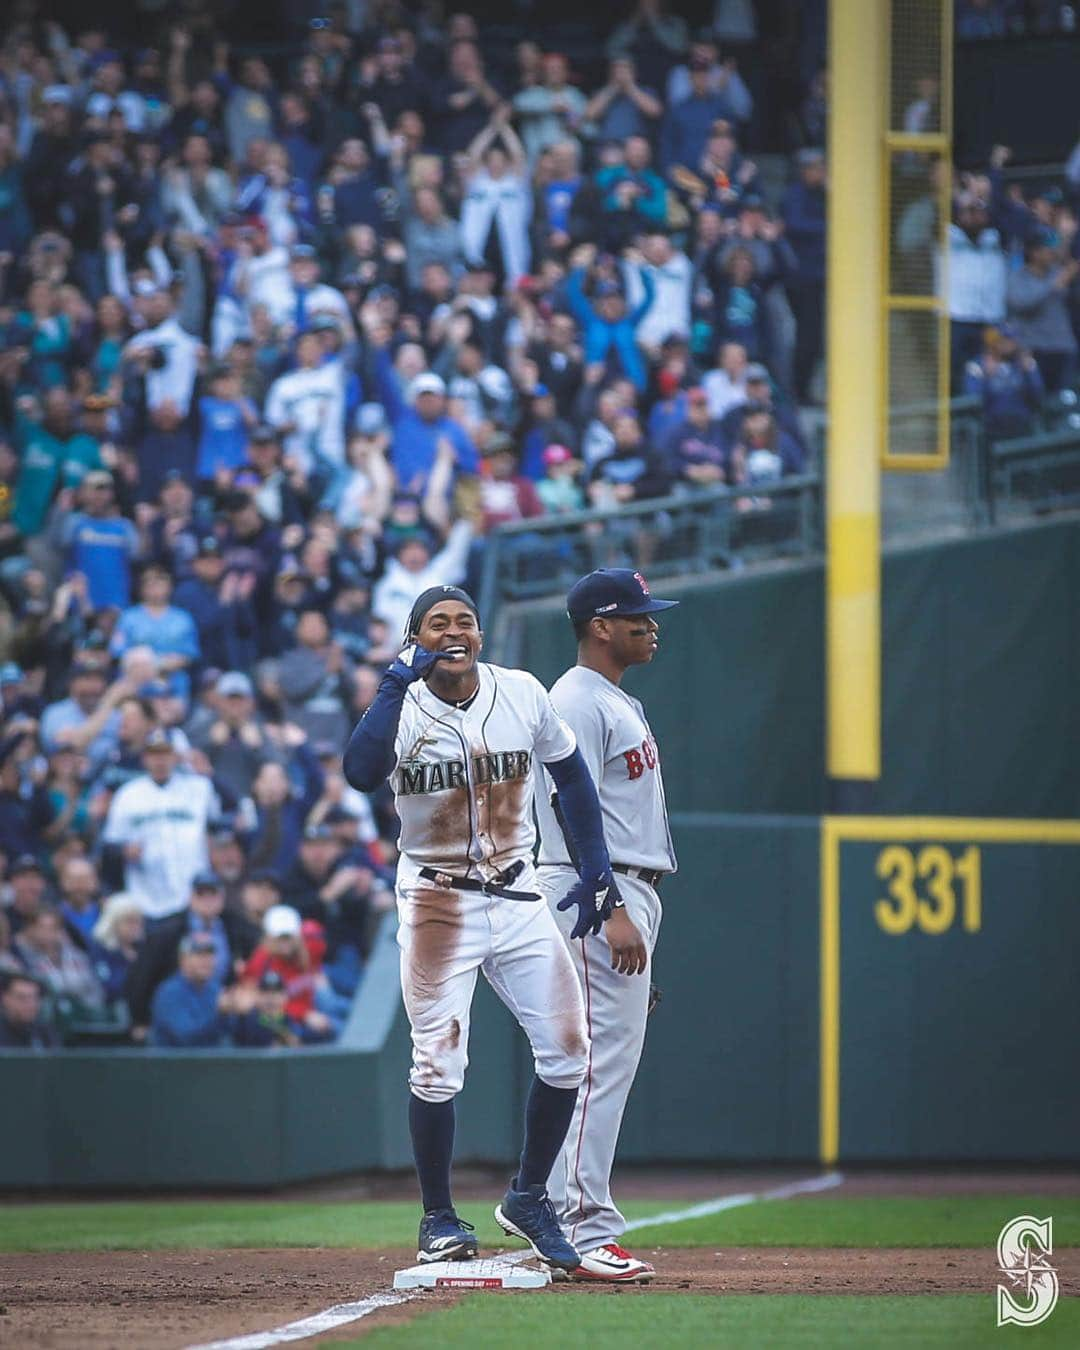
[431,597]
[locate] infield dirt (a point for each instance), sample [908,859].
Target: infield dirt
[168,1300]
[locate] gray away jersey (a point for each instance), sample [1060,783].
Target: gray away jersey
[620,750]
[463,780]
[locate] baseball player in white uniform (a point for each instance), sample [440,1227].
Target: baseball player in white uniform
[612,613]
[159,820]
[458,741]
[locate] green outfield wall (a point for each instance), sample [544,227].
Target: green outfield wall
[895,988]
[980,667]
[885,989]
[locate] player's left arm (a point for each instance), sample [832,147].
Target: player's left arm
[629,954]
[557,749]
[595,893]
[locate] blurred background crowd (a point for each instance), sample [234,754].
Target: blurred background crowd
[288,324]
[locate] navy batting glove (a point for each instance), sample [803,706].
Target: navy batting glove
[414,663]
[594,897]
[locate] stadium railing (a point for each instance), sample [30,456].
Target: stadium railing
[693,531]
[703,529]
[1034,475]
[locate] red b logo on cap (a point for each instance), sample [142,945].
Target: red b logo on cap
[642,583]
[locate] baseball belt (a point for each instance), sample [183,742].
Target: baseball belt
[646,874]
[499,886]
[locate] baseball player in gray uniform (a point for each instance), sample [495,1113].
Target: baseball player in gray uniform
[612,614]
[458,739]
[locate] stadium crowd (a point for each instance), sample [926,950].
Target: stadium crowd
[281,341]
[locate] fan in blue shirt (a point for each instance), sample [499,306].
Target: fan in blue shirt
[169,632]
[224,419]
[418,430]
[100,544]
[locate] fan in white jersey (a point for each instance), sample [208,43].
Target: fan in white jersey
[458,740]
[612,613]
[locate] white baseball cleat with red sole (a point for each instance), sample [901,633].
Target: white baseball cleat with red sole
[614,1265]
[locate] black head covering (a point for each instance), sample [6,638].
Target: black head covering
[431,597]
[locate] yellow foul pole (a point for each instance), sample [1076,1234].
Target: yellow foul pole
[858,36]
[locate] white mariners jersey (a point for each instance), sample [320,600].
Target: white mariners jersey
[463,778]
[620,750]
[170,823]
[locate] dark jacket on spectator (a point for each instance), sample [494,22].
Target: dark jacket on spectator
[356,200]
[457,128]
[21,821]
[688,446]
[563,375]
[158,958]
[732,421]
[1011,392]
[227,633]
[349,921]
[259,553]
[37,1036]
[160,452]
[276,840]
[85,211]
[643,469]
[803,210]
[112,968]
[687,126]
[45,176]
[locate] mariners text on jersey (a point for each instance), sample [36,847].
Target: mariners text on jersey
[463,781]
[439,775]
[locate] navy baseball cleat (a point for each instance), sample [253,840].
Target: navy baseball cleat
[445,1237]
[530,1215]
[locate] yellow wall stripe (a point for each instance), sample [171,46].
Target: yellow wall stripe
[856,391]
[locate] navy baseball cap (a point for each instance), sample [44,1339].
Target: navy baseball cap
[25,862]
[197,942]
[612,591]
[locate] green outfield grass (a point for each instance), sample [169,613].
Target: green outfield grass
[151,1224]
[730,1322]
[809,1221]
[837,1220]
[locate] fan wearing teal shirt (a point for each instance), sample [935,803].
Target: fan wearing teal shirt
[52,453]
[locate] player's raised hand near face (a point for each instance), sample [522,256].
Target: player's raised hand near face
[628,952]
[416,663]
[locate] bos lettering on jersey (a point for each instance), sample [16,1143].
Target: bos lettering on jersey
[617,744]
[638,760]
[420,776]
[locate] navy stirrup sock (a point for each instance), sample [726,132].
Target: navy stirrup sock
[548,1113]
[431,1125]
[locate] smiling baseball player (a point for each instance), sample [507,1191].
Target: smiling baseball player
[458,740]
[612,614]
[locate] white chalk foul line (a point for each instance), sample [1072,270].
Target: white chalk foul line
[337,1316]
[343,1313]
[805,1187]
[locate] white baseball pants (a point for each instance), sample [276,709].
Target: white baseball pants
[445,936]
[616,1007]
